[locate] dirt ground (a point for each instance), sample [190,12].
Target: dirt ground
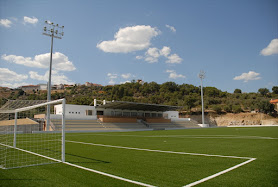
[236,119]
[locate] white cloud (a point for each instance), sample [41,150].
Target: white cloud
[125,82]
[112,75]
[165,51]
[174,59]
[11,76]
[56,77]
[171,28]
[112,81]
[174,75]
[251,75]
[60,61]
[33,20]
[130,39]
[152,55]
[271,49]
[154,52]
[5,22]
[139,57]
[127,76]
[11,79]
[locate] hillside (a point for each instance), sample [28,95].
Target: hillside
[168,93]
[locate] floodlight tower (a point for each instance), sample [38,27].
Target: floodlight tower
[54,31]
[202,76]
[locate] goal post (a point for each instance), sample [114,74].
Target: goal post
[24,138]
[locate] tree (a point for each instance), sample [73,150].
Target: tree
[211,91]
[190,101]
[275,89]
[217,109]
[237,91]
[265,106]
[236,108]
[263,91]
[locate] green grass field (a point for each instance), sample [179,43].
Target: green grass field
[238,157]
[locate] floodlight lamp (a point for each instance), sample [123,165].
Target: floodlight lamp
[62,26]
[62,33]
[56,32]
[51,30]
[57,25]
[45,22]
[44,28]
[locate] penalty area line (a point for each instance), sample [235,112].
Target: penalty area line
[81,167]
[183,153]
[219,173]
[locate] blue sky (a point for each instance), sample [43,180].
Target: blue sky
[110,42]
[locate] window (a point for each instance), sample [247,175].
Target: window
[117,113]
[154,115]
[127,114]
[134,114]
[147,115]
[89,112]
[159,115]
[140,114]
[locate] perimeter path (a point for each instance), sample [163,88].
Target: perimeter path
[248,160]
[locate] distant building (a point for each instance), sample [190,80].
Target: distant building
[42,86]
[29,88]
[140,81]
[58,87]
[275,102]
[68,85]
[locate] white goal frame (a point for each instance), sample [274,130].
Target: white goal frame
[16,111]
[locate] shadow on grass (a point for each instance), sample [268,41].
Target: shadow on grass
[92,160]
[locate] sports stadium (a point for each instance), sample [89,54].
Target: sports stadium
[120,143]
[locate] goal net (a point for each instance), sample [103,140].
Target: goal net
[27,137]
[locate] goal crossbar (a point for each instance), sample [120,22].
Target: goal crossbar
[31,107]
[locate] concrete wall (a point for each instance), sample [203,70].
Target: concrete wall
[171,115]
[76,111]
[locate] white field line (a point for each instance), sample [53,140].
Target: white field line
[81,167]
[219,173]
[188,136]
[183,153]
[159,151]
[109,175]
[53,159]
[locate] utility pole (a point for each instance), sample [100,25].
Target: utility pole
[54,31]
[202,76]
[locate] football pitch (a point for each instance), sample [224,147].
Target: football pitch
[203,157]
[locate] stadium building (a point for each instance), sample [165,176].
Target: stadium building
[121,115]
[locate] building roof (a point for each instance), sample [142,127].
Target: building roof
[123,105]
[273,101]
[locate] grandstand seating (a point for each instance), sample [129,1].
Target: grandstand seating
[186,124]
[97,125]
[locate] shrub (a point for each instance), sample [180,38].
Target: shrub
[217,109]
[236,108]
